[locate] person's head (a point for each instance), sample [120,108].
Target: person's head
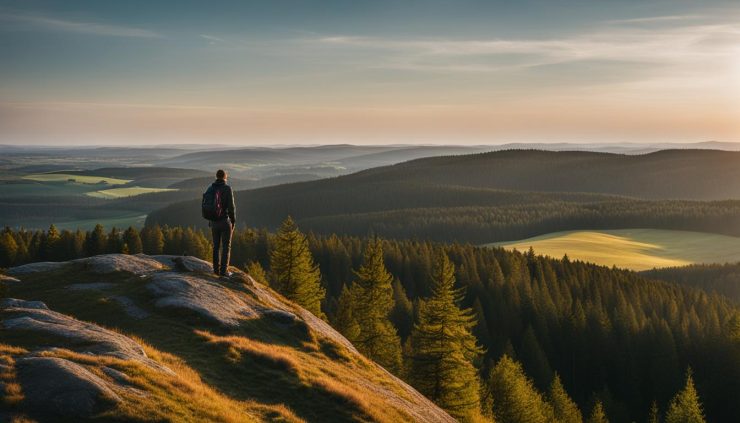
[221,174]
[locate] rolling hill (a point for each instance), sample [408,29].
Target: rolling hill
[635,249]
[504,195]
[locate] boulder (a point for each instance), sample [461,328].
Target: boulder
[111,263]
[31,268]
[55,387]
[201,295]
[184,263]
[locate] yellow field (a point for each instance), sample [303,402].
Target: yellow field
[636,249]
[63,177]
[114,193]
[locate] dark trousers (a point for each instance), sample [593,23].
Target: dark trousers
[221,231]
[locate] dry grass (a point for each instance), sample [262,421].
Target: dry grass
[12,393]
[182,397]
[346,382]
[276,356]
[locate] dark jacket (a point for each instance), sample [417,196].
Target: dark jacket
[227,196]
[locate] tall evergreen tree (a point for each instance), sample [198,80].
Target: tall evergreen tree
[443,347]
[115,243]
[344,320]
[515,399]
[564,408]
[255,270]
[598,415]
[294,273]
[95,241]
[152,240]
[8,249]
[686,406]
[372,303]
[132,240]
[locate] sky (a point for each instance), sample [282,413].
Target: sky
[384,71]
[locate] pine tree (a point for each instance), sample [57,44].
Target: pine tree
[598,415]
[95,241]
[515,399]
[685,407]
[564,408]
[443,347]
[654,416]
[255,270]
[8,249]
[344,320]
[294,273]
[152,240]
[115,243]
[132,240]
[372,303]
[50,244]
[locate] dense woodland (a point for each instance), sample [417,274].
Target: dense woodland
[721,278]
[536,339]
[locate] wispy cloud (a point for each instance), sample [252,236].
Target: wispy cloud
[655,19]
[47,23]
[682,45]
[212,39]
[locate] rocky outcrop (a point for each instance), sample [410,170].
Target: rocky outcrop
[88,338]
[71,371]
[209,299]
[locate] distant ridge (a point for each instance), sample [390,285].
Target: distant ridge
[535,191]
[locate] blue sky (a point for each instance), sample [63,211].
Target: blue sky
[267,72]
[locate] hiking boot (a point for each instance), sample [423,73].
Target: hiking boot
[226,275]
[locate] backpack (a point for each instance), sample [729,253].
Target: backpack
[212,204]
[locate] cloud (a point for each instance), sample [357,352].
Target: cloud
[655,19]
[688,45]
[212,39]
[80,27]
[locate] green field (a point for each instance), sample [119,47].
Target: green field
[636,249]
[114,193]
[66,177]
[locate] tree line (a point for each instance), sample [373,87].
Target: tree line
[485,333]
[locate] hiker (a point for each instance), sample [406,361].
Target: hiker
[218,208]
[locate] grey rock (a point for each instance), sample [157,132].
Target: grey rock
[42,266]
[80,336]
[198,294]
[130,307]
[16,303]
[138,264]
[8,279]
[185,263]
[58,387]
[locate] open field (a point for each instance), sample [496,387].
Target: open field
[126,192]
[66,177]
[636,249]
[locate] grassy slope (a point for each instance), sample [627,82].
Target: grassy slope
[126,192]
[274,374]
[636,249]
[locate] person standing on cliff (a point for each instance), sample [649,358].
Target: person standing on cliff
[218,207]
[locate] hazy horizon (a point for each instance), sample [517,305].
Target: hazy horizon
[320,73]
